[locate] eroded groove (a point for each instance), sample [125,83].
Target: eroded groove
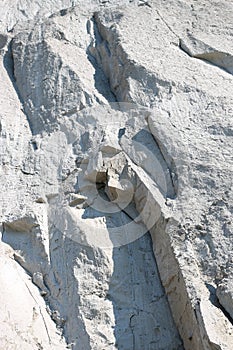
[101,80]
[169,161]
[8,63]
[120,68]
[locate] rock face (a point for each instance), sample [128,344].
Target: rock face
[116,175]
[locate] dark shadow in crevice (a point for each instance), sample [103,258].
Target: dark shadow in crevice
[214,300]
[102,83]
[212,297]
[204,57]
[8,64]
[147,140]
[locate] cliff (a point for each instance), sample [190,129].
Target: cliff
[116,175]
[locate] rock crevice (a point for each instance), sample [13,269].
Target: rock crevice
[116,164]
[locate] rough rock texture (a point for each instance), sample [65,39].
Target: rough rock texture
[116,175]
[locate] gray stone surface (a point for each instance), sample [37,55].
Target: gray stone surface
[116,175]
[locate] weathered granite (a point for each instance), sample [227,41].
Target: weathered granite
[116,175]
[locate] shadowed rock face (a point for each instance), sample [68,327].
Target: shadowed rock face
[116,175]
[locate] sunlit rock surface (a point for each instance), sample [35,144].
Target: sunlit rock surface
[116,175]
